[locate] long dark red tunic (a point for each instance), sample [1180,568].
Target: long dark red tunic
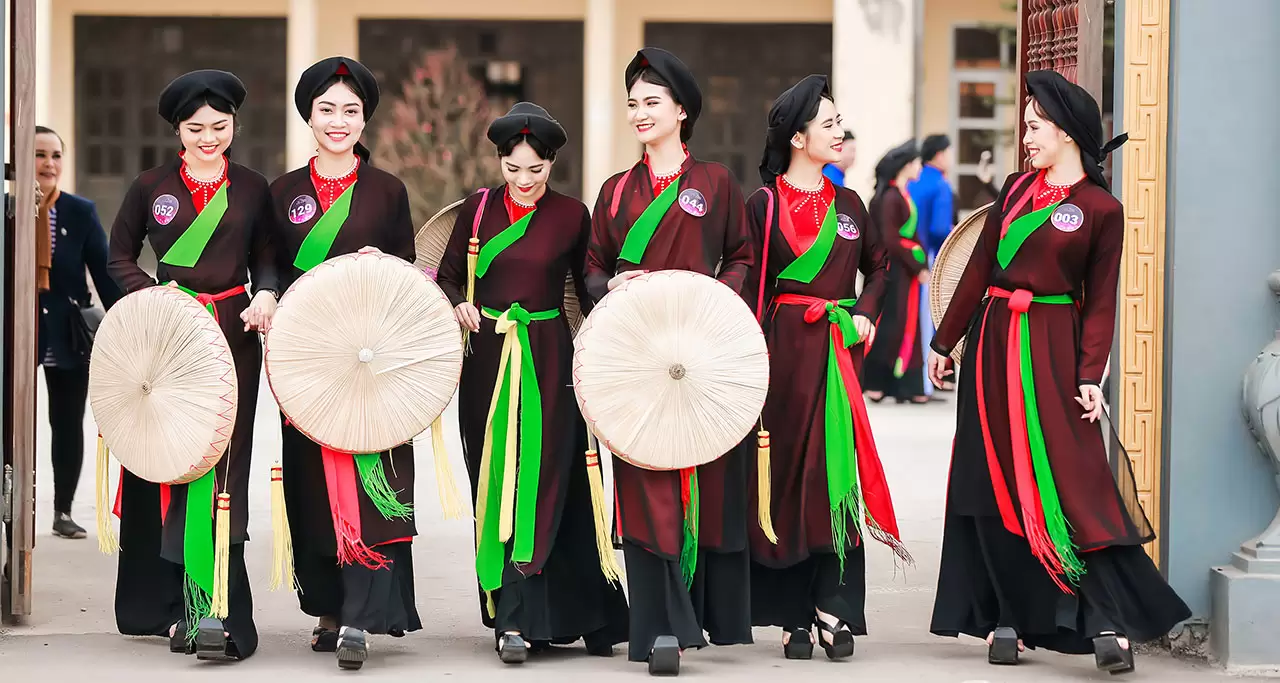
[649,507]
[530,272]
[379,217]
[794,411]
[1069,347]
[241,247]
[899,316]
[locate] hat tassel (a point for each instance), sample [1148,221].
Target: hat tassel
[221,555]
[282,574]
[764,484]
[446,487]
[107,541]
[604,544]
[473,259]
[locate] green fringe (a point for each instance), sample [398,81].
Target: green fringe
[198,605]
[689,549]
[849,507]
[374,481]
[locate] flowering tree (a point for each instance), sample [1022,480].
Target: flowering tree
[435,140]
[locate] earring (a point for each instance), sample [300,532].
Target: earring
[797,145]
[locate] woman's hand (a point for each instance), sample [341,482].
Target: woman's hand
[260,312]
[623,277]
[1091,400]
[467,315]
[939,368]
[865,328]
[924,277]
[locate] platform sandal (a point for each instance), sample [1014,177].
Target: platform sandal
[664,659]
[1111,656]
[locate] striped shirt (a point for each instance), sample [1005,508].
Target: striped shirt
[53,243]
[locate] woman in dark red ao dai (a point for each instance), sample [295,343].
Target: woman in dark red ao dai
[1042,543]
[545,584]
[895,362]
[673,596]
[209,220]
[808,549]
[338,204]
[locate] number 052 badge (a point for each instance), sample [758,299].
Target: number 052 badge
[1067,218]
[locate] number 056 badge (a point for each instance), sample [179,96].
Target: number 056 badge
[1067,218]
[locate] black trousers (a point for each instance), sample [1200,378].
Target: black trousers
[68,389]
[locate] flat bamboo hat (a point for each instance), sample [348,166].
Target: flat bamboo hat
[671,370]
[162,385]
[363,352]
[949,266]
[433,237]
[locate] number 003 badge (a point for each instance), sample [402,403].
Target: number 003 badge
[1067,218]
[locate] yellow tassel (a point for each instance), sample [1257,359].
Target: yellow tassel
[282,575]
[107,542]
[763,482]
[489,606]
[473,258]
[446,487]
[221,555]
[604,544]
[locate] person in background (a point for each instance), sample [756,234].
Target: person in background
[835,171]
[69,239]
[935,203]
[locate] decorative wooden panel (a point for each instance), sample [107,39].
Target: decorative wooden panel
[1062,35]
[1144,190]
[742,68]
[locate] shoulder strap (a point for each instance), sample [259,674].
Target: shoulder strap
[617,193]
[1016,184]
[764,257]
[475,222]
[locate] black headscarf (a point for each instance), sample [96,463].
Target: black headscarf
[315,77]
[190,87]
[790,113]
[893,161]
[527,118]
[1074,110]
[683,85]
[934,145]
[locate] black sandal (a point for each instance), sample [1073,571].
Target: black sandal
[212,643]
[799,645]
[841,645]
[1110,656]
[664,659]
[178,643]
[352,649]
[324,639]
[1003,649]
[512,649]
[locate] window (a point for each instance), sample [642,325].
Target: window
[982,87]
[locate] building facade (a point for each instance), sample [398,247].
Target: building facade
[899,68]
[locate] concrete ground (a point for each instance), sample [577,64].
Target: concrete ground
[72,632]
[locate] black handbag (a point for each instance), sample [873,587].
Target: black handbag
[83,326]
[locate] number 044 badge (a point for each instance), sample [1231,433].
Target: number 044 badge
[1067,218]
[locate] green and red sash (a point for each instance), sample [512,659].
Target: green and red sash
[319,240]
[1043,522]
[907,235]
[641,232]
[186,250]
[514,424]
[808,264]
[856,485]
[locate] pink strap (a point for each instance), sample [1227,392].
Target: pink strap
[1022,201]
[617,193]
[764,258]
[475,222]
[1016,184]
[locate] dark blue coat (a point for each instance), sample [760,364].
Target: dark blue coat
[81,243]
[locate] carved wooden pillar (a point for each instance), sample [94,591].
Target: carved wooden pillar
[1062,35]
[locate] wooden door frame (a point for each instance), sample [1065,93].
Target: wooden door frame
[20,326]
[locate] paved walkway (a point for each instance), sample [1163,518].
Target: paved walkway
[72,633]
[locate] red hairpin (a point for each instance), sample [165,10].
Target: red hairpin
[342,70]
[524,131]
